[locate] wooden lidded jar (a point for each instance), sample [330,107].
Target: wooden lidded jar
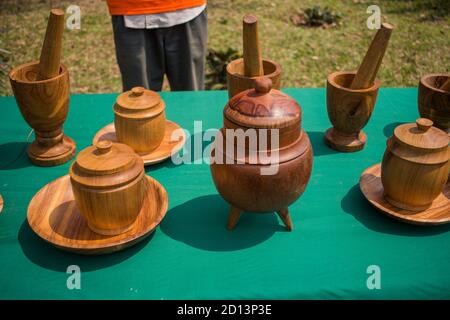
[239,177]
[415,165]
[139,119]
[108,183]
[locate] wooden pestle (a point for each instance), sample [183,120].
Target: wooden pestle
[253,65]
[446,85]
[49,62]
[367,72]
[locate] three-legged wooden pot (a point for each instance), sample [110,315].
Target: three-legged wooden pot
[262,159]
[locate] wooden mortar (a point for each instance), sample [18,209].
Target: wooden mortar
[241,73]
[351,97]
[434,99]
[42,94]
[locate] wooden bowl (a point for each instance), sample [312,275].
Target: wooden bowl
[349,110]
[238,82]
[54,217]
[44,105]
[372,188]
[434,103]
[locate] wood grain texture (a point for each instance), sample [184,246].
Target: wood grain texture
[446,85]
[372,188]
[253,65]
[165,150]
[109,186]
[50,60]
[349,110]
[434,99]
[238,82]
[139,119]
[238,178]
[415,165]
[53,216]
[367,71]
[44,105]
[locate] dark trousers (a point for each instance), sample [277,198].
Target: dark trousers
[145,55]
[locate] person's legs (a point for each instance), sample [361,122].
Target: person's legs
[185,47]
[154,49]
[140,58]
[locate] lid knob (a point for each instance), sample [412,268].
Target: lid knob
[103,146]
[137,91]
[263,85]
[424,124]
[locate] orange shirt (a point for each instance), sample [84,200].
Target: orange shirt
[129,7]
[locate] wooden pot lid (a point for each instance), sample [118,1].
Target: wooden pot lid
[139,102]
[53,216]
[420,142]
[263,107]
[106,164]
[372,188]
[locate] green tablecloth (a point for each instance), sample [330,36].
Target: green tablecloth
[336,235]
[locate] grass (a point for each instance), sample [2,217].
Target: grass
[419,44]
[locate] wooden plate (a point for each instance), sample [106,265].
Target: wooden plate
[53,216]
[372,188]
[166,149]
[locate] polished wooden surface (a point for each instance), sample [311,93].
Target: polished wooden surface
[349,110]
[367,71]
[50,60]
[53,216]
[415,165]
[240,181]
[165,150]
[109,186]
[139,119]
[238,82]
[253,65]
[372,188]
[44,105]
[434,99]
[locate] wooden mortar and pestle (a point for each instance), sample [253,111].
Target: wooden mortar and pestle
[351,97]
[242,72]
[434,99]
[42,94]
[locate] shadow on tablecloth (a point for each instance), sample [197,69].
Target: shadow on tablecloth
[47,256]
[355,203]
[200,223]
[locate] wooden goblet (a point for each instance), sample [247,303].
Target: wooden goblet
[349,110]
[434,99]
[44,105]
